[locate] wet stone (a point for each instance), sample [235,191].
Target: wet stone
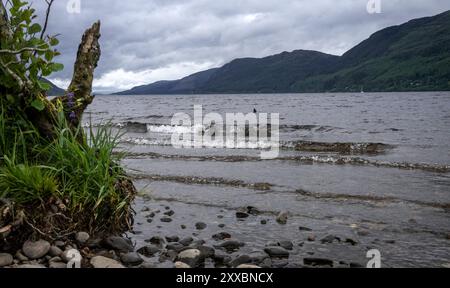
[200,226]
[221,236]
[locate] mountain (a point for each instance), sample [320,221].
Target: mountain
[55,91]
[414,56]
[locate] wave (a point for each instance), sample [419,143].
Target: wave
[203,181]
[320,159]
[338,147]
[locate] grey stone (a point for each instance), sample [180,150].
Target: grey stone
[247,266]
[31,266]
[119,244]
[231,245]
[57,265]
[206,251]
[242,215]
[19,256]
[35,250]
[169,213]
[6,259]
[82,237]
[242,259]
[221,236]
[103,262]
[186,241]
[282,217]
[278,252]
[166,219]
[171,239]
[149,250]
[288,245]
[192,257]
[181,265]
[131,258]
[200,225]
[318,262]
[54,251]
[175,246]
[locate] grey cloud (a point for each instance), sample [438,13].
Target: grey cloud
[143,35]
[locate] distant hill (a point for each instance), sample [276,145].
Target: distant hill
[55,91]
[414,56]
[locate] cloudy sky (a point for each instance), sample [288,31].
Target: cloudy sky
[144,41]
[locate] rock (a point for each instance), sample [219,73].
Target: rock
[252,210]
[200,225]
[247,266]
[221,225]
[169,213]
[258,257]
[169,255]
[242,259]
[192,257]
[183,227]
[356,265]
[351,241]
[55,259]
[57,265]
[151,215]
[206,251]
[19,256]
[149,250]
[131,258]
[149,220]
[103,262]
[31,266]
[263,222]
[282,217]
[35,250]
[277,252]
[280,264]
[311,238]
[222,258]
[318,262]
[288,245]
[242,215]
[172,239]
[156,240]
[330,239]
[175,246]
[186,241]
[82,237]
[181,265]
[301,228]
[166,219]
[231,245]
[221,236]
[118,243]
[6,259]
[266,263]
[59,244]
[54,251]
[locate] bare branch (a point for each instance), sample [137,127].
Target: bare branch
[20,51]
[47,14]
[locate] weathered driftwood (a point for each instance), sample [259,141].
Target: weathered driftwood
[80,88]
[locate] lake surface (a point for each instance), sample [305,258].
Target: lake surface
[394,197]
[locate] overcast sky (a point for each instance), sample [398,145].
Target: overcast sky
[144,41]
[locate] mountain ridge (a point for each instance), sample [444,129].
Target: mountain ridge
[413,56]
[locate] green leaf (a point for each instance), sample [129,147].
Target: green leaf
[35,28]
[38,104]
[44,85]
[57,67]
[54,41]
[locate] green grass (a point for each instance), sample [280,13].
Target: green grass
[74,169]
